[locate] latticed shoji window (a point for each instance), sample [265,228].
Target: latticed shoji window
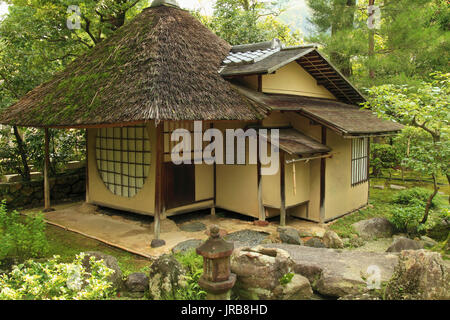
[123,158]
[360,160]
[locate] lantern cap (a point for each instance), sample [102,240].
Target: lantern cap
[215,247]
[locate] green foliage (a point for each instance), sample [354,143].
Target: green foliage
[9,154]
[65,146]
[193,263]
[287,278]
[410,43]
[411,196]
[407,219]
[53,280]
[21,238]
[242,21]
[383,156]
[426,108]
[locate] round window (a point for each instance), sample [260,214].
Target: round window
[123,159]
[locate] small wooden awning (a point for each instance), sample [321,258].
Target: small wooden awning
[296,143]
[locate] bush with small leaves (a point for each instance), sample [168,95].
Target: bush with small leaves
[410,196]
[21,237]
[407,219]
[53,280]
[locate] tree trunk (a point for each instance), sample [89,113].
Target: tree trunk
[430,200]
[23,155]
[371,45]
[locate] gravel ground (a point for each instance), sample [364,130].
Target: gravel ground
[246,237]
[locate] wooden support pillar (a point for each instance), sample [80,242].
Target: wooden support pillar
[159,183]
[282,189]
[262,212]
[47,206]
[87,166]
[213,208]
[322,178]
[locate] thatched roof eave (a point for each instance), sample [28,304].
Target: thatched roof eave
[151,69]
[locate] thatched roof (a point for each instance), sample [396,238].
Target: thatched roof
[161,65]
[344,118]
[308,57]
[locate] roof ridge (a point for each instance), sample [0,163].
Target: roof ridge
[272,44]
[168,3]
[301,46]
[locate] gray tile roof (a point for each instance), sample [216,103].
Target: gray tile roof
[248,57]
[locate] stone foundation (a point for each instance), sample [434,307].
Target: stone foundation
[65,187]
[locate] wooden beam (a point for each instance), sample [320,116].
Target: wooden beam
[262,212]
[159,148]
[87,166]
[322,177]
[47,206]
[213,209]
[282,189]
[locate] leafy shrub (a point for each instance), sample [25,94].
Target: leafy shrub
[21,238]
[287,278]
[410,196]
[383,156]
[53,280]
[193,263]
[407,219]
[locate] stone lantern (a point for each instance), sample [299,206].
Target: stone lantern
[217,279]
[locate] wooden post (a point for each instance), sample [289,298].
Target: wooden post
[262,212]
[322,178]
[47,207]
[213,209]
[157,241]
[282,190]
[87,165]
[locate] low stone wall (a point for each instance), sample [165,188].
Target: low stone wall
[69,186]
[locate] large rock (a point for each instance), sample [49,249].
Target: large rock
[110,262]
[166,276]
[419,275]
[289,235]
[427,242]
[374,228]
[401,244]
[331,240]
[249,264]
[136,284]
[337,274]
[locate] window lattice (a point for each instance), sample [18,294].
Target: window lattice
[360,160]
[123,158]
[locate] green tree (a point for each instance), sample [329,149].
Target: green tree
[425,107]
[410,42]
[249,21]
[335,23]
[35,42]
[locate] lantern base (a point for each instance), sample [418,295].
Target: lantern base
[217,288]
